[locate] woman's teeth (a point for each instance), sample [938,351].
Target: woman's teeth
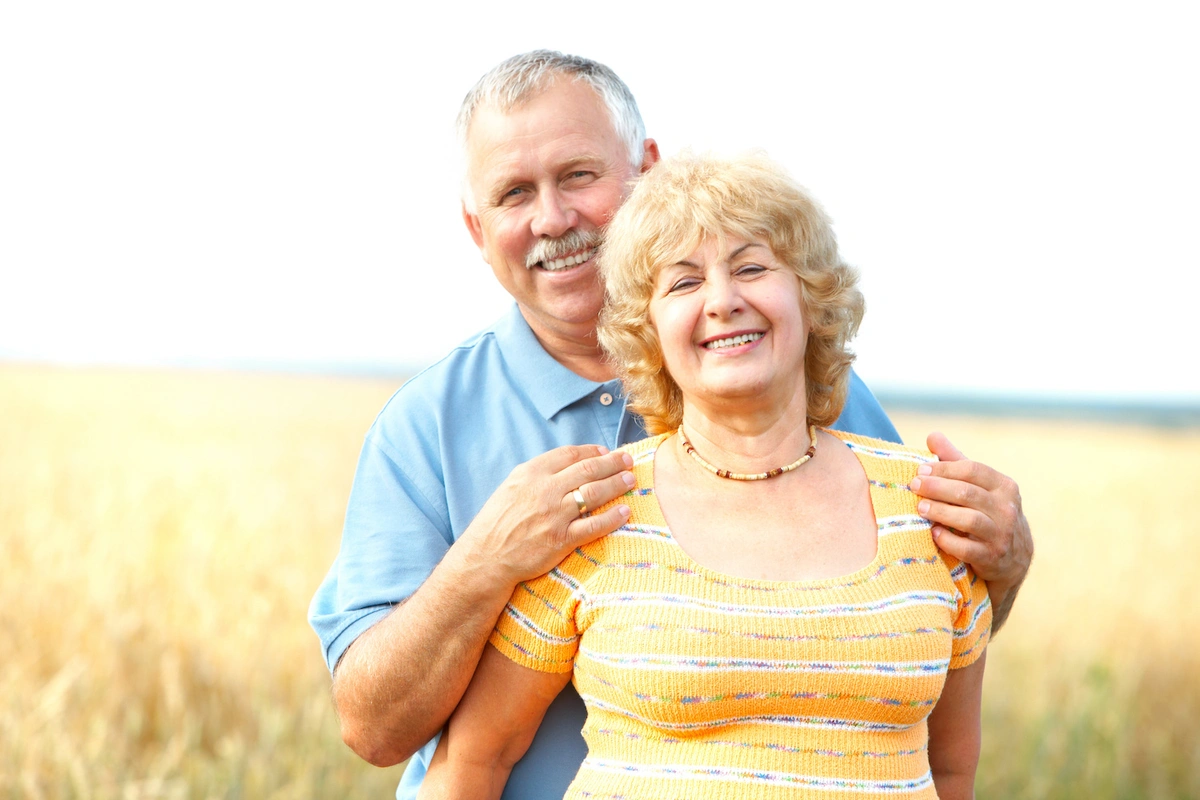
[569,261]
[733,341]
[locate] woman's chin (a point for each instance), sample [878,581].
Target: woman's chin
[744,395]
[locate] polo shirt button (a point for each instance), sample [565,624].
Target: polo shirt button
[606,399]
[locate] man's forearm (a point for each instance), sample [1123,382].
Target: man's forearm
[398,683]
[396,686]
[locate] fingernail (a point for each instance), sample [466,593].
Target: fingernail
[923,507]
[936,533]
[914,484]
[628,459]
[623,511]
[629,479]
[603,450]
[924,469]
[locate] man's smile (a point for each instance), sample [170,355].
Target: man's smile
[554,265]
[573,248]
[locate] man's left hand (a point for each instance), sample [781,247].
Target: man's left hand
[977,517]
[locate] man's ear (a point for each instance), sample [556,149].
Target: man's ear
[650,155]
[472,223]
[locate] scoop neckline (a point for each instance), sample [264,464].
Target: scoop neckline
[858,576]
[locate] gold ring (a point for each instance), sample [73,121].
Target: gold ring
[580,502]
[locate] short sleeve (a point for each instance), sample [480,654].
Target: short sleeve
[538,626]
[973,614]
[394,536]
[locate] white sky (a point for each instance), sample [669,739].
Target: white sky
[276,182]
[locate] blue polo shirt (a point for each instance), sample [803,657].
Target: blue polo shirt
[439,448]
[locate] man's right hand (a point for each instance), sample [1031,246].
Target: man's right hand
[532,521]
[396,685]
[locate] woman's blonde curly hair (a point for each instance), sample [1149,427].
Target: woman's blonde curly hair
[673,209]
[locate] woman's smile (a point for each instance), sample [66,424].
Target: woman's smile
[732,341]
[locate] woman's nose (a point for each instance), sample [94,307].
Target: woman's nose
[722,297]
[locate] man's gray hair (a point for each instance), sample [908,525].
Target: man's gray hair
[516,79]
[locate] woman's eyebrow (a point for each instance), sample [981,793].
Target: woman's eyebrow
[741,249]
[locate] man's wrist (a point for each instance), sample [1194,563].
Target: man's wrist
[1002,597]
[476,571]
[1002,590]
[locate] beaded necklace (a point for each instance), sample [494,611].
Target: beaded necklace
[753,476]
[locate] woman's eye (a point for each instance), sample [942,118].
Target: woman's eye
[751,269]
[683,284]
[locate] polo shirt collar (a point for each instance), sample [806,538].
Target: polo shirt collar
[551,386]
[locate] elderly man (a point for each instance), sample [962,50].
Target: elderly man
[475,475]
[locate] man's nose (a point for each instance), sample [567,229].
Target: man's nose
[552,215]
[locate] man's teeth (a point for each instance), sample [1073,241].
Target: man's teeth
[734,341]
[569,261]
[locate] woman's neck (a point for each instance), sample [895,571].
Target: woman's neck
[748,441]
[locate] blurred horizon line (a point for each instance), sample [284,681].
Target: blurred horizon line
[1180,411]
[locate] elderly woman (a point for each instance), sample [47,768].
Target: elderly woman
[774,620]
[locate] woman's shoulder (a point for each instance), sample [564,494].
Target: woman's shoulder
[643,449]
[643,507]
[885,461]
[642,452]
[882,448]
[890,469]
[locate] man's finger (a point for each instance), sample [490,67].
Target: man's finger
[965,520]
[971,472]
[596,493]
[953,492]
[962,548]
[590,470]
[560,458]
[584,530]
[941,447]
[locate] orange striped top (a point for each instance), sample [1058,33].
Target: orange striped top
[700,684]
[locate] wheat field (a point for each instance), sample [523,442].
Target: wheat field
[163,532]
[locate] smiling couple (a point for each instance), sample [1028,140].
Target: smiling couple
[750,602]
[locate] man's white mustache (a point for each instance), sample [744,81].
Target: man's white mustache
[552,249]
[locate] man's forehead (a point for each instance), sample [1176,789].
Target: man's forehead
[558,100]
[513,105]
[552,130]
